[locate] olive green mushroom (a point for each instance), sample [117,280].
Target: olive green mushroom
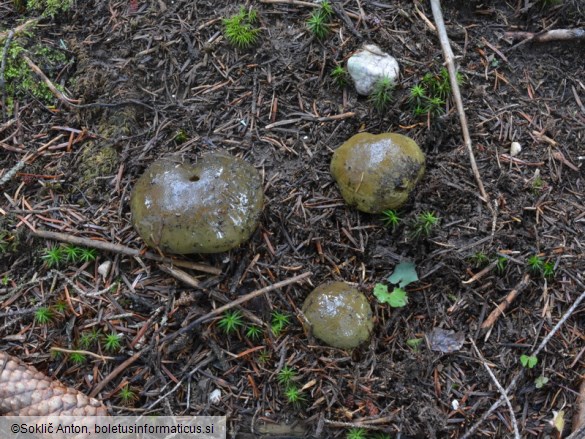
[210,206]
[339,315]
[376,172]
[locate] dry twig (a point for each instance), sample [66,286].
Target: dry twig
[449,60]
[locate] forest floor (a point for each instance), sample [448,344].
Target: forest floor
[174,86]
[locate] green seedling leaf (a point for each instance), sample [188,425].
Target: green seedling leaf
[540,381]
[414,343]
[396,299]
[528,361]
[381,293]
[404,274]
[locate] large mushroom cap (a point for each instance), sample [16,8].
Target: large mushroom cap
[210,206]
[376,172]
[339,315]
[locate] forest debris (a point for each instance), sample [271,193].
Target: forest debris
[499,310]
[446,341]
[579,417]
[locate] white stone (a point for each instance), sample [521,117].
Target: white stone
[215,396]
[515,149]
[104,268]
[370,64]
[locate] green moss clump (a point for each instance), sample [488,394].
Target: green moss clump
[22,81]
[49,8]
[96,161]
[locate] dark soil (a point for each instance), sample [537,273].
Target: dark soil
[164,68]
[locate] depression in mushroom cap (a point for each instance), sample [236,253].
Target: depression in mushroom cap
[339,315]
[210,206]
[376,172]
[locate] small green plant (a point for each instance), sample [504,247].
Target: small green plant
[501,264]
[356,433]
[231,321]
[417,95]
[429,96]
[480,259]
[435,106]
[318,21]
[5,280]
[112,342]
[87,255]
[60,306]
[339,76]
[77,357]
[294,396]
[53,255]
[390,218]
[5,239]
[403,275]
[240,28]
[71,253]
[548,269]
[43,315]
[381,94]
[87,339]
[127,395]
[263,356]
[535,263]
[285,376]
[540,382]
[537,184]
[279,322]
[253,332]
[528,361]
[414,343]
[181,136]
[423,225]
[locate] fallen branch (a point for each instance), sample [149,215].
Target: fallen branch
[236,302]
[496,313]
[122,249]
[449,57]
[545,36]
